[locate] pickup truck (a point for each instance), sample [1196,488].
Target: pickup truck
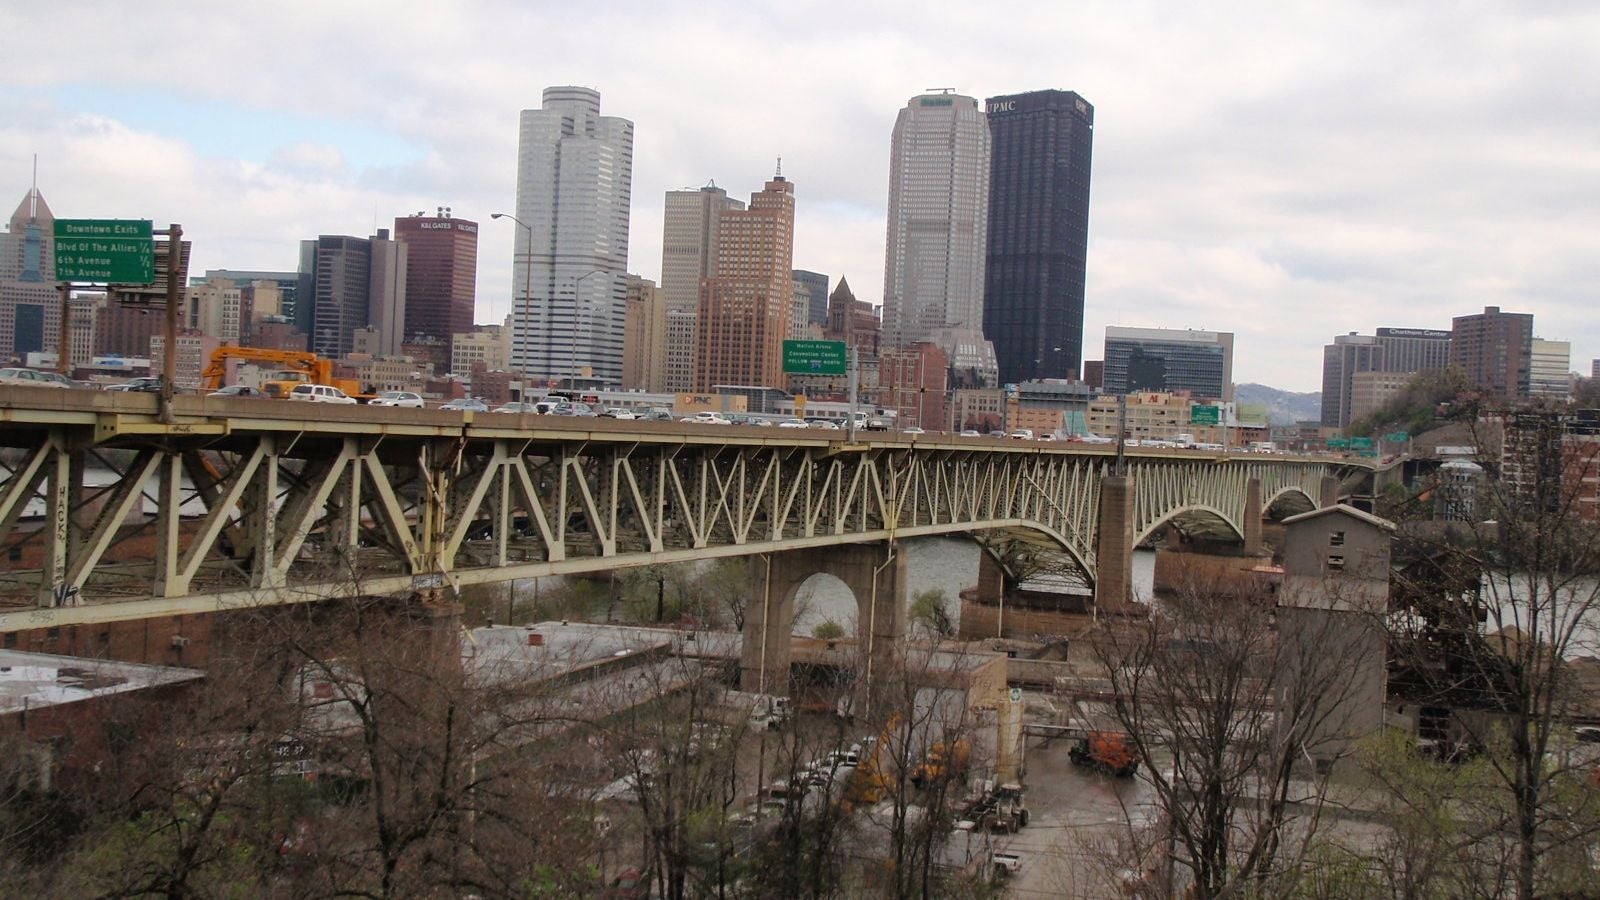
[1006,864]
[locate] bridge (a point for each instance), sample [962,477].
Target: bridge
[109,513]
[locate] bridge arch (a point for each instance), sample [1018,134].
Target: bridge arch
[1292,500]
[1193,512]
[875,574]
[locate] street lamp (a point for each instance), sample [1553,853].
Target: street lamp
[527,270]
[572,367]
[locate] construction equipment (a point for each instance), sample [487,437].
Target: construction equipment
[300,367]
[943,761]
[1002,809]
[1107,751]
[871,783]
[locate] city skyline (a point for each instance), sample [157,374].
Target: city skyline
[1287,175]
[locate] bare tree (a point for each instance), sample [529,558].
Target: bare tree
[1492,613]
[1226,717]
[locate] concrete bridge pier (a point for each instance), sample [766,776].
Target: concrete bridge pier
[1327,492]
[1113,545]
[1252,517]
[875,574]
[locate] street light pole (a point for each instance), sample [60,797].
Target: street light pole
[527,265]
[572,362]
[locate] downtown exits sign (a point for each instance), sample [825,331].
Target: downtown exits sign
[814,357]
[110,251]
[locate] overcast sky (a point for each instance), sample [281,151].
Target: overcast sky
[1283,171]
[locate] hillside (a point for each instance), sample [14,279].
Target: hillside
[1283,407]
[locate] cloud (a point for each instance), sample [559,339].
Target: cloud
[1286,172]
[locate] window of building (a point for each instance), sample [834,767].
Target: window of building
[1335,561]
[1336,539]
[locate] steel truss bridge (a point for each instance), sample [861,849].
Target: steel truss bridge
[109,513]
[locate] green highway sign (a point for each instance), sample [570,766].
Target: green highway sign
[814,357]
[1205,415]
[105,250]
[1361,443]
[1397,437]
[1338,443]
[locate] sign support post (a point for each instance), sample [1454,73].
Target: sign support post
[64,334]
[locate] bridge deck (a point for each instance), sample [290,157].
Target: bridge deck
[107,513]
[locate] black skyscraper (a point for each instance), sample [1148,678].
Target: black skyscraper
[1038,232]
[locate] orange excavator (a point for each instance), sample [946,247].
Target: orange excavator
[298,367]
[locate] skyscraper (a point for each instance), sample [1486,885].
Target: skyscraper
[441,274]
[815,284]
[355,283]
[688,257]
[574,187]
[644,337]
[745,306]
[938,218]
[1167,360]
[1038,233]
[1494,351]
[30,315]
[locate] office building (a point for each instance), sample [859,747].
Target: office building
[746,304]
[288,284]
[441,274]
[355,283]
[1550,369]
[644,337]
[1166,360]
[574,188]
[1369,391]
[30,315]
[688,258]
[1391,352]
[938,218]
[1042,143]
[815,285]
[1413,349]
[1348,355]
[914,382]
[486,345]
[1493,350]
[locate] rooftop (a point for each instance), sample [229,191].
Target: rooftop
[34,680]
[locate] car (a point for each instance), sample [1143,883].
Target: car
[466,404]
[403,399]
[1022,434]
[320,393]
[913,430]
[658,414]
[516,407]
[1046,437]
[996,434]
[573,408]
[1096,439]
[138,385]
[34,378]
[969,432]
[823,424]
[236,390]
[617,412]
[706,418]
[793,423]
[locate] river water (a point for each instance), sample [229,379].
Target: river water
[948,564]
